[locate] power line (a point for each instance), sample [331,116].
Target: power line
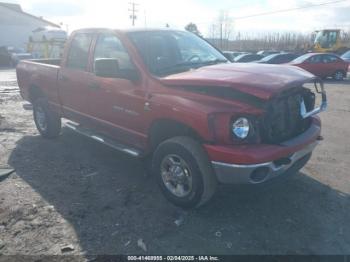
[282,10]
[288,10]
[133,11]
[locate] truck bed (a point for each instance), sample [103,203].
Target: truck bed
[40,73]
[55,62]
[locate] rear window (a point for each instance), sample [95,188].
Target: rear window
[346,55]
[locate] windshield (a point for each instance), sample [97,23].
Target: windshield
[239,57]
[346,55]
[301,59]
[326,39]
[269,57]
[169,52]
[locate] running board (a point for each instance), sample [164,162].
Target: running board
[102,139]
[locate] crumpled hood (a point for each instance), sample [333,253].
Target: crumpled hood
[260,80]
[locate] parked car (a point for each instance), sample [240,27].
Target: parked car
[278,58]
[323,65]
[245,58]
[201,120]
[267,52]
[10,56]
[346,56]
[230,55]
[16,57]
[5,56]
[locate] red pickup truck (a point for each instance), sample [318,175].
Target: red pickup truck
[170,96]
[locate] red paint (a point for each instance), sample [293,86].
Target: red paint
[209,117]
[319,65]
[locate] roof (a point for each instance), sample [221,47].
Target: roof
[127,30]
[17,8]
[152,29]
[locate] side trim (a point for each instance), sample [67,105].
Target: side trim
[70,111]
[102,139]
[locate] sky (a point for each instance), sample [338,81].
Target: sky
[177,13]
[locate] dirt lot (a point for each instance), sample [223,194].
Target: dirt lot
[74,196]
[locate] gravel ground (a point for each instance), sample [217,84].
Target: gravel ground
[74,196]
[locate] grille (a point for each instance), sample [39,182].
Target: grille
[283,119]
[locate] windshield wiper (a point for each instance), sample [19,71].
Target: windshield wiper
[214,62]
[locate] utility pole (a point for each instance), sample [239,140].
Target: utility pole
[221,35]
[133,11]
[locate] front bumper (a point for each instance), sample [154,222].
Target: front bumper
[261,173]
[256,164]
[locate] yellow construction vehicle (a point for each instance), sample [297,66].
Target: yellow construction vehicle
[47,42]
[330,41]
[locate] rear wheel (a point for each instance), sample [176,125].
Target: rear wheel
[47,122]
[184,172]
[339,75]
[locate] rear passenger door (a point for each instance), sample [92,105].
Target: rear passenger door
[331,64]
[74,78]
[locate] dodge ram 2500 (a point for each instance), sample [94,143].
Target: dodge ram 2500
[170,96]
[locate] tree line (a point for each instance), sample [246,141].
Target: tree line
[222,35]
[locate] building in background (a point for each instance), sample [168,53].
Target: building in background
[17,26]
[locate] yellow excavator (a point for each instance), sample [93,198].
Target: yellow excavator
[330,41]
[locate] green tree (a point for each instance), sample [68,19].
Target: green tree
[191,27]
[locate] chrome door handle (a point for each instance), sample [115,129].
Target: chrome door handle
[63,78]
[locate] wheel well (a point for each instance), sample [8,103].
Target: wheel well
[162,130]
[35,93]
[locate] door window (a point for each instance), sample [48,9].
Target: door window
[109,46]
[78,56]
[329,59]
[314,59]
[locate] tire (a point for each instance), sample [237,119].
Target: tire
[192,161]
[339,75]
[47,122]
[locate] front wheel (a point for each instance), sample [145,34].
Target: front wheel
[184,172]
[47,122]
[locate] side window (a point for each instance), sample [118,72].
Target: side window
[330,59]
[315,59]
[109,46]
[78,56]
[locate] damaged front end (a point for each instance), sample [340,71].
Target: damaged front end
[288,114]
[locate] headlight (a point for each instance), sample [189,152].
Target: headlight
[240,127]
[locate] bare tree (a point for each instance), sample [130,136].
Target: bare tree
[280,41]
[222,29]
[191,27]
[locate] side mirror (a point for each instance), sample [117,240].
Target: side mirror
[109,68]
